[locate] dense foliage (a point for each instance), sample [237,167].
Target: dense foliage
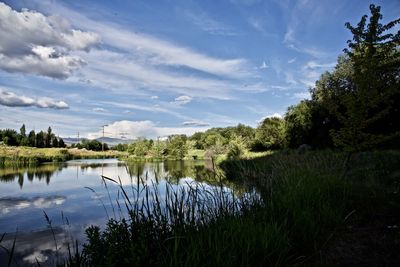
[41,139]
[93,145]
[355,106]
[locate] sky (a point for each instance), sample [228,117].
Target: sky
[154,68]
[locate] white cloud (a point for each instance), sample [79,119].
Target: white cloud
[275,115]
[290,61]
[206,23]
[195,123]
[99,109]
[182,100]
[314,65]
[155,50]
[263,65]
[11,99]
[34,43]
[111,70]
[289,78]
[154,97]
[46,102]
[302,95]
[289,36]
[135,129]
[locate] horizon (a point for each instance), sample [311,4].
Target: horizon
[154,69]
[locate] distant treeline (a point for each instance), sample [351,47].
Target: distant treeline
[41,139]
[94,145]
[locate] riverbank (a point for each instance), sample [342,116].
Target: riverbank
[10,155]
[307,211]
[332,217]
[310,212]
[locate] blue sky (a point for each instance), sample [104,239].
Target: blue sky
[154,68]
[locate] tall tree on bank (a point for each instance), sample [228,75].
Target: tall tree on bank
[370,95]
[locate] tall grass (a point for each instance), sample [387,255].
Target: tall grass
[287,213]
[294,205]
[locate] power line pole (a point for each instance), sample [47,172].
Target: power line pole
[102,140]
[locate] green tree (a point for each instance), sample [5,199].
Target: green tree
[369,96]
[236,147]
[298,124]
[48,137]
[61,143]
[22,130]
[40,139]
[32,138]
[176,146]
[142,147]
[159,148]
[54,141]
[270,134]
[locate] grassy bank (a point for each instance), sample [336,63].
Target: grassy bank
[21,156]
[330,218]
[304,209]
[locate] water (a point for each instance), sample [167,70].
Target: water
[73,196]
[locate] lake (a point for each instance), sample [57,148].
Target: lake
[74,196]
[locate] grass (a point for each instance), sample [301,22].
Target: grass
[298,212]
[23,156]
[303,206]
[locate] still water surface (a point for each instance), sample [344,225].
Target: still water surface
[61,191]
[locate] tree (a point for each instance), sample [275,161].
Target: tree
[159,148]
[40,139]
[236,147]
[48,137]
[141,147]
[176,146]
[298,124]
[61,143]
[370,95]
[270,134]
[22,130]
[54,141]
[32,138]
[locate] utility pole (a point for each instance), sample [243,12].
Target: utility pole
[102,140]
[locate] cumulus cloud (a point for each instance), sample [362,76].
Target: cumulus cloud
[34,43]
[182,100]
[195,123]
[11,99]
[135,129]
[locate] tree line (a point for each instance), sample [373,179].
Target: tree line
[355,107]
[41,139]
[94,145]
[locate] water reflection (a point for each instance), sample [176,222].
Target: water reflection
[41,172]
[63,188]
[39,246]
[174,170]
